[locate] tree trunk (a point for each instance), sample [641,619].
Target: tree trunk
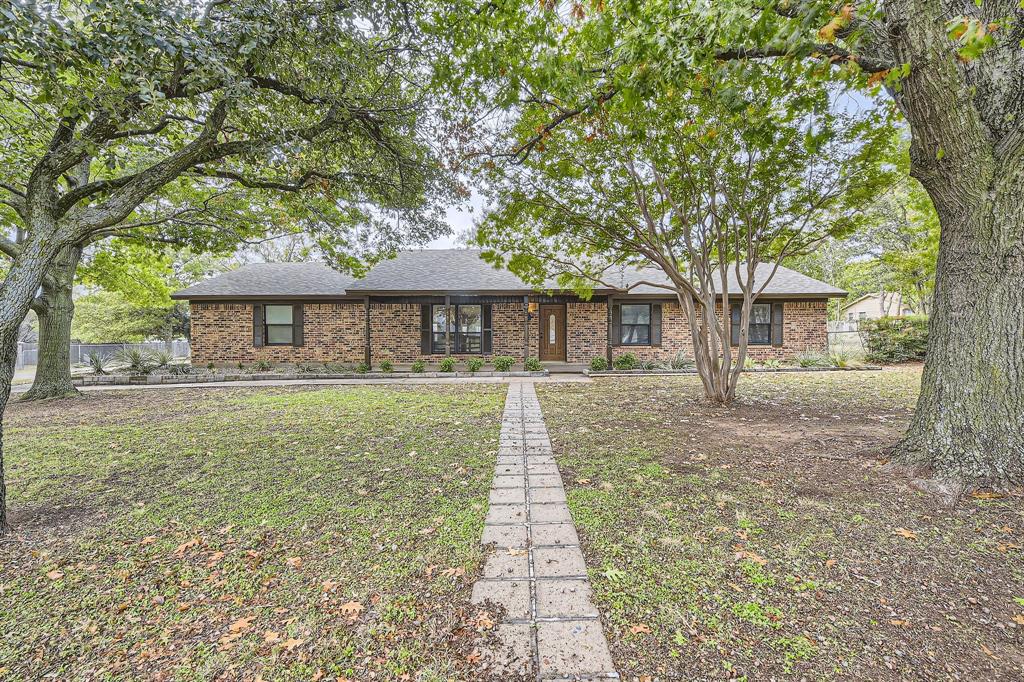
[8,357]
[967,150]
[53,368]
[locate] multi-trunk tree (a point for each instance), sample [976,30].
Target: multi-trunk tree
[704,195]
[954,70]
[111,105]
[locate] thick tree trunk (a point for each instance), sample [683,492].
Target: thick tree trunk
[53,369]
[968,152]
[8,357]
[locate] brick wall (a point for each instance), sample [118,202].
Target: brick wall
[587,331]
[222,334]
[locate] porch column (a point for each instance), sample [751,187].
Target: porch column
[526,328]
[447,325]
[366,350]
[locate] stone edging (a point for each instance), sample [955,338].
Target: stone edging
[755,370]
[152,379]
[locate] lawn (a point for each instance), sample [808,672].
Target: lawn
[271,534]
[770,539]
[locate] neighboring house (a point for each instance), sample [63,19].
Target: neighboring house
[432,303]
[874,306]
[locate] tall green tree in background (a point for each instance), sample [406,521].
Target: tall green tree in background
[109,105]
[954,70]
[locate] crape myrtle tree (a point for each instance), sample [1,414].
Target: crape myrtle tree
[104,105]
[954,70]
[696,189]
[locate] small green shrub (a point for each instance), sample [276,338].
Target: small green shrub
[625,361]
[386,366]
[363,368]
[811,358]
[533,365]
[839,358]
[647,365]
[177,370]
[474,364]
[241,367]
[418,366]
[680,361]
[97,362]
[305,368]
[503,363]
[138,361]
[162,358]
[598,364]
[772,363]
[210,366]
[261,365]
[896,339]
[447,364]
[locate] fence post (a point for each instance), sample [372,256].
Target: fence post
[19,363]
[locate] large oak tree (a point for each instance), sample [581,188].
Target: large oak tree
[954,70]
[105,105]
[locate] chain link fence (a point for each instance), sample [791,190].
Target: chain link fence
[28,353]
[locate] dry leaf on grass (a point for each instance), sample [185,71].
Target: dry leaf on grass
[271,637]
[986,495]
[352,609]
[185,546]
[55,575]
[640,628]
[294,562]
[905,533]
[474,657]
[292,643]
[148,540]
[830,563]
[242,624]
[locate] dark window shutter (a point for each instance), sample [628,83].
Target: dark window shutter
[735,324]
[656,324]
[297,335]
[777,324]
[616,324]
[257,325]
[425,329]
[486,341]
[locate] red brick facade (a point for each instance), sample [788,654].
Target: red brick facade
[335,332]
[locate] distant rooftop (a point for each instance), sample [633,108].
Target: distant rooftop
[443,271]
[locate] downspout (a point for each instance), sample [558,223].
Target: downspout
[526,328]
[608,331]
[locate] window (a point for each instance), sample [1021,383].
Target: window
[464,322]
[278,325]
[636,324]
[760,324]
[849,317]
[862,316]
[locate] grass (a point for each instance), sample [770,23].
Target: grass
[767,539]
[294,534]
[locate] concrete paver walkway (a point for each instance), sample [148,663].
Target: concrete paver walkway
[536,570]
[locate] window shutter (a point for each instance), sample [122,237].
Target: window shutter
[777,323]
[656,324]
[735,324]
[616,324]
[486,340]
[297,335]
[425,329]
[257,325]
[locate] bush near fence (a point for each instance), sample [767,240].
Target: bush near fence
[896,339]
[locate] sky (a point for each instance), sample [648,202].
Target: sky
[461,219]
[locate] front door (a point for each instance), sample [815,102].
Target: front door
[552,332]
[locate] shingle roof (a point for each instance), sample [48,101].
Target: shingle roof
[271,280]
[441,271]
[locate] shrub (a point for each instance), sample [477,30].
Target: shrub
[503,363]
[474,364]
[533,365]
[647,365]
[363,368]
[386,366]
[176,370]
[97,362]
[447,364]
[163,358]
[138,361]
[241,367]
[598,364]
[896,339]
[811,358]
[680,361]
[305,368]
[772,363]
[210,366]
[418,366]
[839,358]
[261,365]
[625,361]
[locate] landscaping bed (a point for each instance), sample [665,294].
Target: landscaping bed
[211,377]
[770,540]
[274,533]
[754,370]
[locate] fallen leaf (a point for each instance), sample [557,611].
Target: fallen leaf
[986,495]
[185,546]
[989,652]
[55,575]
[830,563]
[242,624]
[271,637]
[900,623]
[294,562]
[1019,619]
[290,644]
[908,534]
[640,628]
[148,540]
[351,609]
[474,657]
[330,585]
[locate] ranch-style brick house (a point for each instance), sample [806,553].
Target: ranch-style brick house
[432,303]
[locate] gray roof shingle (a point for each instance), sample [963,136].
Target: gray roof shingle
[441,271]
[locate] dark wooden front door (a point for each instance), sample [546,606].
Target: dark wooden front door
[552,332]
